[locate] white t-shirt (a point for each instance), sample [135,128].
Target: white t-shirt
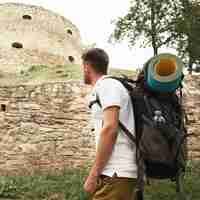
[111,92]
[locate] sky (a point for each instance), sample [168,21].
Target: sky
[93,19]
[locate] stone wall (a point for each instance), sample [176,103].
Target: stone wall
[45,127]
[192,105]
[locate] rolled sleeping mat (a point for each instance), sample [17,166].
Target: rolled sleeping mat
[164,72]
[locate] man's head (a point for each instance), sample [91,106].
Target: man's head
[95,63]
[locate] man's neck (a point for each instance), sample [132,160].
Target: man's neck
[96,78]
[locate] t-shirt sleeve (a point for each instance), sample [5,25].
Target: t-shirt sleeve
[111,93]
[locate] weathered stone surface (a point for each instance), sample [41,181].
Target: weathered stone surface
[192,107]
[46,38]
[50,132]
[54,131]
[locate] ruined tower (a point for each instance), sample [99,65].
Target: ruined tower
[31,35]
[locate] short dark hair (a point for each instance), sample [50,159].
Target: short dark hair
[98,59]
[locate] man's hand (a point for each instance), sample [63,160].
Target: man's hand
[90,184]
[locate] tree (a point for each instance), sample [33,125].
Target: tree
[187,28]
[173,23]
[150,20]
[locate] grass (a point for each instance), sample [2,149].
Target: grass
[119,72]
[68,185]
[64,72]
[165,190]
[62,186]
[42,73]
[59,73]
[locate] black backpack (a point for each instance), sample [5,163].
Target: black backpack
[161,147]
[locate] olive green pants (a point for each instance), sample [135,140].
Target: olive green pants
[115,188]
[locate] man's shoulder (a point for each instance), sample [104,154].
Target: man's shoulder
[110,82]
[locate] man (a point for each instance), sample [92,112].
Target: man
[114,171]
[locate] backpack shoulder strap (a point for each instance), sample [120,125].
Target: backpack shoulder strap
[121,125]
[130,85]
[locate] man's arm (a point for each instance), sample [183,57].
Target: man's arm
[107,140]
[105,146]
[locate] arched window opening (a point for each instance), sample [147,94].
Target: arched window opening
[71,59]
[28,17]
[3,107]
[17,45]
[69,31]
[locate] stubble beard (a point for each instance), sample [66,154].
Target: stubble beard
[87,79]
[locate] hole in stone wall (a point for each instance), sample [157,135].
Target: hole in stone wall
[59,71]
[27,17]
[71,59]
[17,45]
[3,107]
[69,31]
[197,69]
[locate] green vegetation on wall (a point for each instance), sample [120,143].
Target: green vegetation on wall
[41,73]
